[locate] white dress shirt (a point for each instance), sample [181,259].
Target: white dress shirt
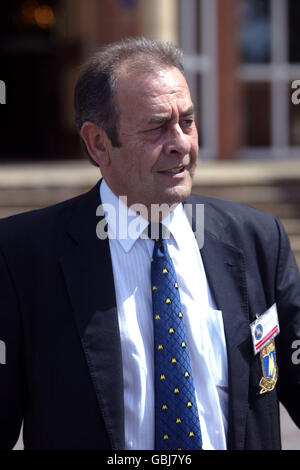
[131,256]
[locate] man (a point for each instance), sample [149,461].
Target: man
[76,307]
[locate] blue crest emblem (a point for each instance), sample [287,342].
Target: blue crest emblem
[258,331]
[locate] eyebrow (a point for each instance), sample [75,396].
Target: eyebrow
[161,119]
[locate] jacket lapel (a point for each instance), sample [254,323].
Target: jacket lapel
[226,278]
[87,269]
[225,270]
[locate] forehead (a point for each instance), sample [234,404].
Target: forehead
[147,93]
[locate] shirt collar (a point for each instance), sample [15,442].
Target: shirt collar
[127,226]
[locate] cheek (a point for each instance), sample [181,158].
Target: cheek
[149,156]
[194,150]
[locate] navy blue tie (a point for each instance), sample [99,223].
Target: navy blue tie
[177,423]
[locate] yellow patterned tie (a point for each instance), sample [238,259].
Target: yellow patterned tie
[177,423]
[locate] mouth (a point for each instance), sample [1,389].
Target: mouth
[173,171]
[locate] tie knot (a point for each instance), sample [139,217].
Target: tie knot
[157,231]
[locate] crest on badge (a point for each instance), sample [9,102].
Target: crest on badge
[269,368]
[258,332]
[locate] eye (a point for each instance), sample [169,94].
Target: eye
[188,122]
[157,128]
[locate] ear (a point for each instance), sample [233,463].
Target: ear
[97,143]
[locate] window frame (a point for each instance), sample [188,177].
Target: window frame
[279,72]
[204,64]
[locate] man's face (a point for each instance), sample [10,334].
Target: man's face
[159,143]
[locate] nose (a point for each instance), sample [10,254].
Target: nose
[177,142]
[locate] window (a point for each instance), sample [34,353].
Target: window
[198,40]
[34,63]
[256,31]
[269,41]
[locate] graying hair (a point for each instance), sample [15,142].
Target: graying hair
[94,98]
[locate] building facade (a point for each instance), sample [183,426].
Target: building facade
[241,59]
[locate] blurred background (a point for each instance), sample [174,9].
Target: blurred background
[241,57]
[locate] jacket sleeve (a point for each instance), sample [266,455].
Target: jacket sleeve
[288,305]
[11,362]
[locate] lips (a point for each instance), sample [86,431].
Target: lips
[173,171]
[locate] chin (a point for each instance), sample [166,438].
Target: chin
[177,194]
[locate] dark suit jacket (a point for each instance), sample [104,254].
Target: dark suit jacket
[58,319]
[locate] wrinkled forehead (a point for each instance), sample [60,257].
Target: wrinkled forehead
[156,89]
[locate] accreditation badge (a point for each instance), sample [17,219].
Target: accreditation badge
[263,331]
[269,367]
[264,328]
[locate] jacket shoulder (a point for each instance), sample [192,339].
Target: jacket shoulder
[238,224]
[39,223]
[231,210]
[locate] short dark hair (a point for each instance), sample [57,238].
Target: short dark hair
[94,98]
